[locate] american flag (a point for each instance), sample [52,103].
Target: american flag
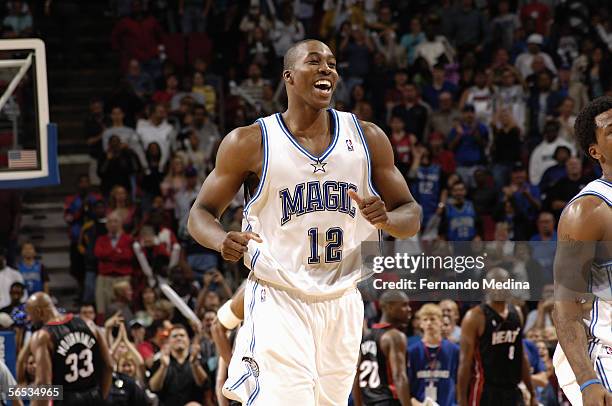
[25,159]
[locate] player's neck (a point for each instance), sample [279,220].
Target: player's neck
[499,307]
[303,120]
[607,173]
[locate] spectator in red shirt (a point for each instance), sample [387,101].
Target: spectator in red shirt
[402,143]
[164,96]
[138,36]
[440,155]
[536,13]
[114,254]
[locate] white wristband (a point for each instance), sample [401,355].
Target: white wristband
[226,316]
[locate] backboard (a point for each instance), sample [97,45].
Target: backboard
[28,143]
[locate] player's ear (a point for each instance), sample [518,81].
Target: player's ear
[594,152]
[288,76]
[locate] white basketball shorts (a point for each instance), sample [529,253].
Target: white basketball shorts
[601,356]
[294,349]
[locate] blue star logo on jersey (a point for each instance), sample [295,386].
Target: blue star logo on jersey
[319,166]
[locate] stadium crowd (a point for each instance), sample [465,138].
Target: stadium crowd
[478,99]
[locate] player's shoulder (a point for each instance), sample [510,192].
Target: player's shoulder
[246,136]
[378,143]
[393,337]
[474,316]
[241,146]
[371,131]
[40,337]
[584,217]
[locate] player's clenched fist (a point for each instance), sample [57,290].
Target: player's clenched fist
[596,395]
[235,244]
[372,208]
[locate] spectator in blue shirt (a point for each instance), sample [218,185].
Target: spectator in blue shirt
[524,196]
[431,92]
[33,271]
[433,361]
[467,140]
[543,242]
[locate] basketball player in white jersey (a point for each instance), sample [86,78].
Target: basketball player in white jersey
[583,284]
[326,182]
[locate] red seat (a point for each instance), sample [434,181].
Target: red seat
[175,48]
[199,46]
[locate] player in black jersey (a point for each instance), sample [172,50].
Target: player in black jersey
[70,352]
[381,378]
[492,361]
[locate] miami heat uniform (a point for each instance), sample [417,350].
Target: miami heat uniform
[375,378]
[303,314]
[599,321]
[498,360]
[75,357]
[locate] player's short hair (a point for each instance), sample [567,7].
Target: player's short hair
[392,296]
[430,309]
[291,54]
[584,128]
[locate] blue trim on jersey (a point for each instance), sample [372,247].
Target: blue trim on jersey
[240,380]
[254,394]
[254,259]
[595,316]
[264,171]
[602,374]
[609,280]
[605,182]
[593,193]
[249,227]
[303,150]
[251,306]
[367,152]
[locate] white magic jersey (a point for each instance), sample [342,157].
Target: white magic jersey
[311,229]
[600,323]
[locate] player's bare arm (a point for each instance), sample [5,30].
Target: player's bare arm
[240,154]
[219,330]
[106,374]
[582,223]
[41,346]
[393,344]
[356,390]
[526,378]
[396,212]
[472,327]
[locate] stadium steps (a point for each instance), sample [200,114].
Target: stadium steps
[43,224]
[70,90]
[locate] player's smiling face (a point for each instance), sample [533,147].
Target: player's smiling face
[314,74]
[602,150]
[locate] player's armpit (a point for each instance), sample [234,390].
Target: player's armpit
[404,214]
[394,344]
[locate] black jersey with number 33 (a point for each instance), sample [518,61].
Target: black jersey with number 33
[76,354]
[375,380]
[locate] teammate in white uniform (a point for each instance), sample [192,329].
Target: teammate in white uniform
[326,182]
[583,265]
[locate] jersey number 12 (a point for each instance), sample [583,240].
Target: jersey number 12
[333,245]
